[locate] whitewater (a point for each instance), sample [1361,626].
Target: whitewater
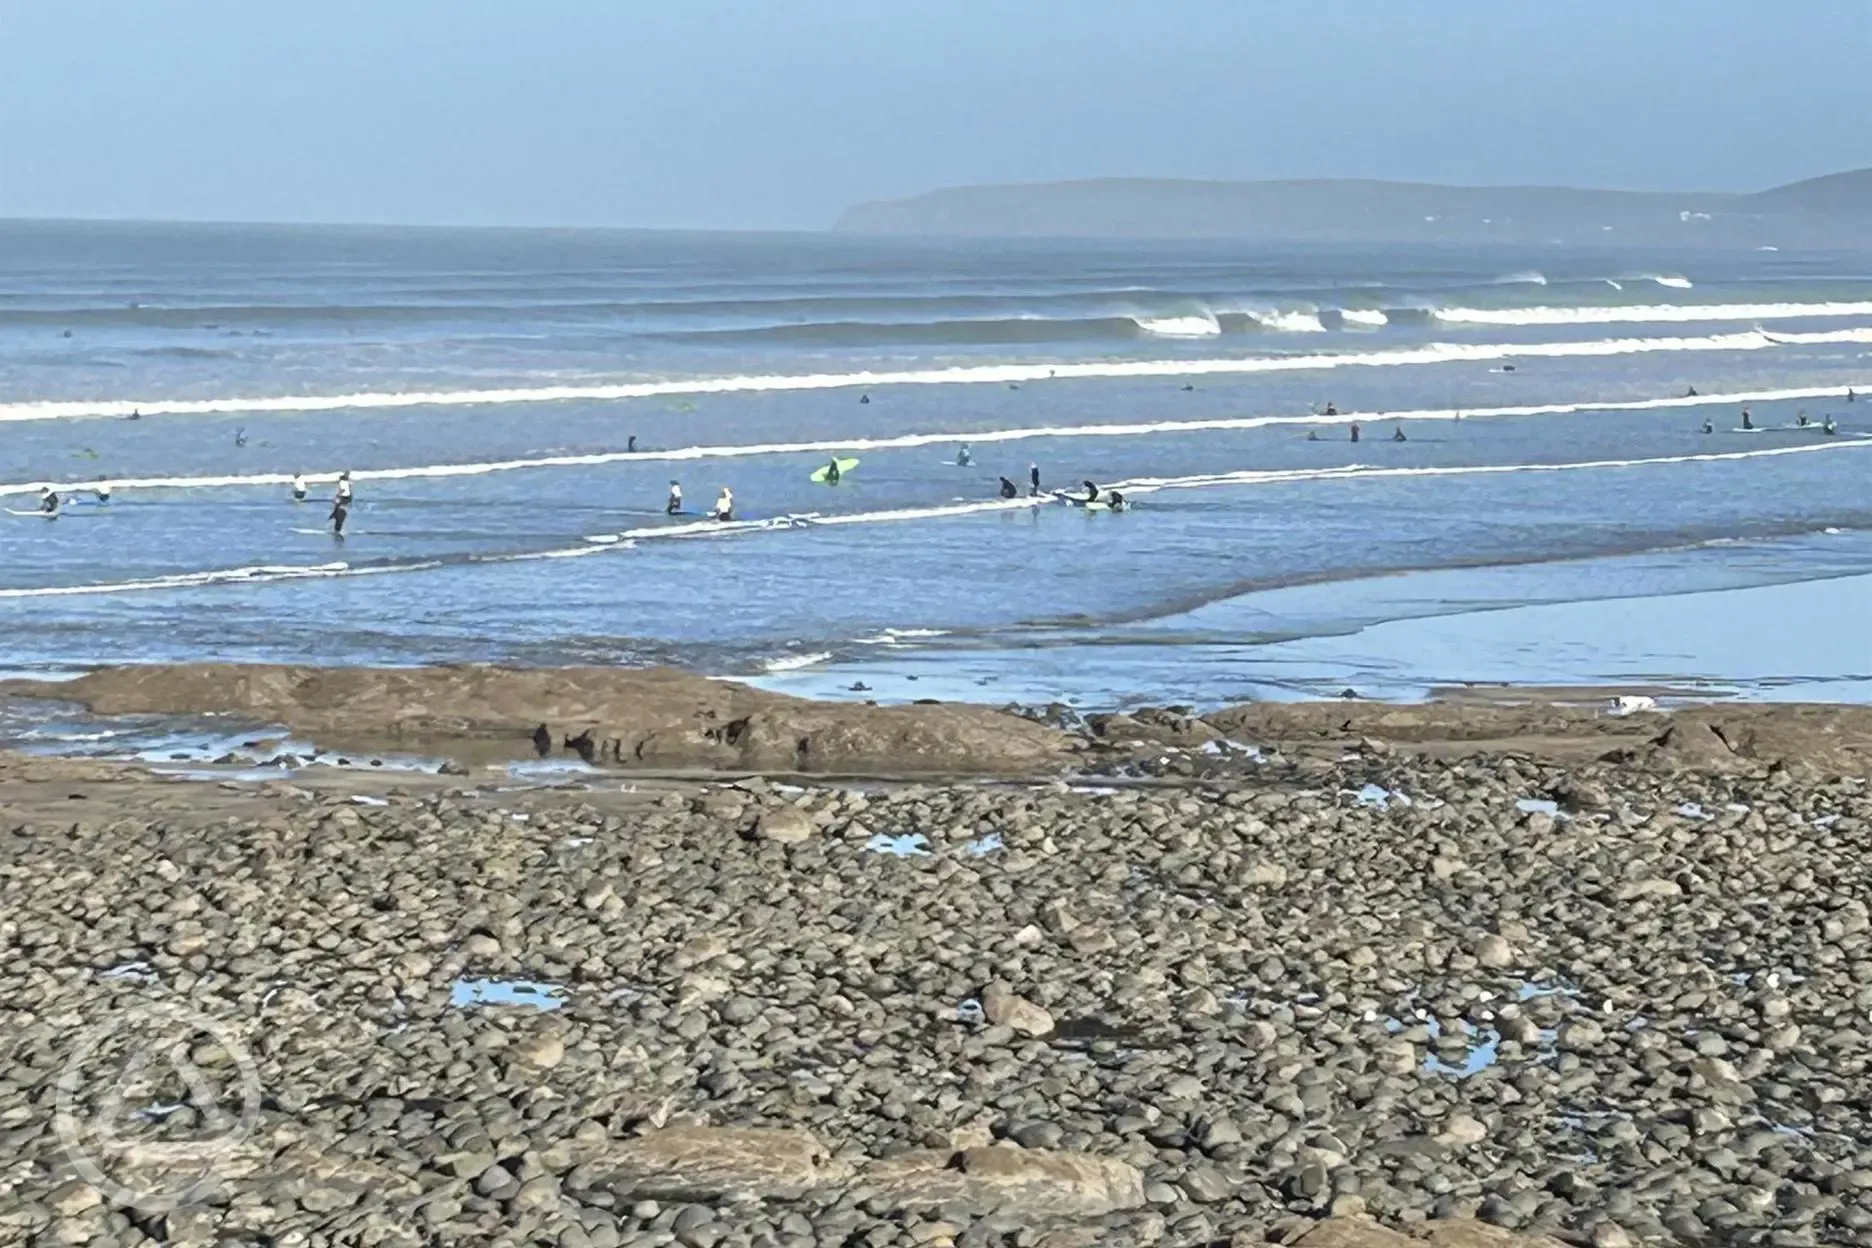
[1434,353]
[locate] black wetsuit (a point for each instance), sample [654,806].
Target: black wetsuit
[1331,410]
[630,447]
[832,473]
[1009,489]
[1747,422]
[49,504]
[1398,436]
[1116,500]
[674,506]
[1033,479]
[1355,432]
[339,514]
[1091,491]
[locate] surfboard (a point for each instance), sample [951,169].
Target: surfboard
[844,466]
[43,515]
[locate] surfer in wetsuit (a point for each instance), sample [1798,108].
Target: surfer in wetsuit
[1312,435]
[298,488]
[1033,479]
[1690,393]
[963,457]
[101,492]
[1801,421]
[1850,397]
[1332,411]
[1117,501]
[864,398]
[832,473]
[674,506]
[1009,489]
[340,512]
[240,436]
[1355,431]
[1748,422]
[1709,426]
[48,501]
[1831,427]
[1397,435]
[1091,490]
[724,506]
[630,445]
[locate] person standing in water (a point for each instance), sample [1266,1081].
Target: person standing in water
[298,488]
[1033,479]
[340,512]
[630,446]
[1355,431]
[724,506]
[674,506]
[343,492]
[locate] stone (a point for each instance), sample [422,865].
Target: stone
[1462,1131]
[786,825]
[539,1052]
[1003,1008]
[1494,952]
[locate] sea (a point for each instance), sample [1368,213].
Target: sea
[1533,497]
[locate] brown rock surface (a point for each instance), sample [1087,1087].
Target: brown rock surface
[699,1162]
[1038,1183]
[655,718]
[1453,1233]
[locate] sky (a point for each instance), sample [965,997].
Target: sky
[780,113]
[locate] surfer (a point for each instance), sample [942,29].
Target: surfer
[340,512]
[101,492]
[1117,501]
[1801,421]
[1690,393]
[1397,435]
[240,436]
[1187,388]
[963,457]
[1091,490]
[674,506]
[48,501]
[343,492]
[298,488]
[1831,427]
[1331,410]
[1009,489]
[1850,397]
[1033,479]
[630,445]
[134,415]
[1312,435]
[1748,422]
[832,473]
[1355,431]
[864,398]
[1709,426]
[724,506]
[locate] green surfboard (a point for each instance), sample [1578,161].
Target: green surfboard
[844,465]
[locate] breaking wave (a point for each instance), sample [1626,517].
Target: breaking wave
[606,543]
[976,374]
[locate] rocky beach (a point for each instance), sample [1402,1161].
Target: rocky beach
[777,973]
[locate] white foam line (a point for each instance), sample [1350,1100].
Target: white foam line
[909,441]
[604,543]
[1433,353]
[1650,313]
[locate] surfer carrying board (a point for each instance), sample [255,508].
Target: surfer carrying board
[674,506]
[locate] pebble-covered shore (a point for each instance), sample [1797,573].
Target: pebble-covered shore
[1606,1004]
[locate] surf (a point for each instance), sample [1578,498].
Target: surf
[629,539]
[975,374]
[912,441]
[1649,313]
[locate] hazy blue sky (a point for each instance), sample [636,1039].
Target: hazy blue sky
[716,113]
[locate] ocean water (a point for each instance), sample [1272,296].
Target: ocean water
[484,386]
